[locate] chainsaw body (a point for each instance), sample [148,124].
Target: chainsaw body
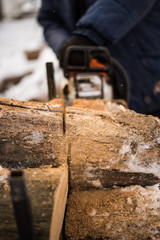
[91,73]
[87,73]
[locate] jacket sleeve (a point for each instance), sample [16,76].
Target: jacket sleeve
[108,21]
[54,31]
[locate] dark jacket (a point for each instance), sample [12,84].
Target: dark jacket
[130,29]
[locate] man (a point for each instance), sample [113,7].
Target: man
[130,29]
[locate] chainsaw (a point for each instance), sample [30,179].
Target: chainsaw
[93,73]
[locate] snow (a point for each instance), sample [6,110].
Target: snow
[17,8]
[3,174]
[96,183]
[17,37]
[134,164]
[125,149]
[36,137]
[154,187]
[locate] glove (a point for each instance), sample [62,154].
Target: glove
[75,40]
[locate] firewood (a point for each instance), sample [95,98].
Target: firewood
[47,189]
[105,145]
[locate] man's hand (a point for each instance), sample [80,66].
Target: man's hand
[75,40]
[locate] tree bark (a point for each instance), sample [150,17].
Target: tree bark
[31,133]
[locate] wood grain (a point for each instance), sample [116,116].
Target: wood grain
[47,189]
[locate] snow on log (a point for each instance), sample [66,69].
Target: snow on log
[111,146]
[47,189]
[131,213]
[31,133]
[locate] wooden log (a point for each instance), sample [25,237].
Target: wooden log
[31,133]
[47,188]
[112,147]
[131,213]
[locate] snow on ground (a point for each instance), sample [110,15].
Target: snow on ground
[16,37]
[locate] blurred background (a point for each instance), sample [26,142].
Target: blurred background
[23,52]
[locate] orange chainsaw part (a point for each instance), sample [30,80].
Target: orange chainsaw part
[94,63]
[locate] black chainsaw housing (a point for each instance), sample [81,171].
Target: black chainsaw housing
[78,60]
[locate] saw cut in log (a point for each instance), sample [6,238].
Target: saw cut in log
[131,213]
[112,146]
[47,188]
[31,133]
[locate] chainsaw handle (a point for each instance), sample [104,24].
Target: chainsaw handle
[85,54]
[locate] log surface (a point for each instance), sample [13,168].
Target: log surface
[31,133]
[113,147]
[131,213]
[107,147]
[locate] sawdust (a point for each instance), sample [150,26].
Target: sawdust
[102,105]
[108,141]
[130,213]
